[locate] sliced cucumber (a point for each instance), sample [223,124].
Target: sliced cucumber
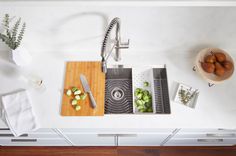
[77,107]
[68,92]
[74,89]
[74,102]
[77,97]
[83,96]
[77,92]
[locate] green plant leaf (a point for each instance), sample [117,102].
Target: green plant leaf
[20,36]
[3,37]
[11,36]
[15,29]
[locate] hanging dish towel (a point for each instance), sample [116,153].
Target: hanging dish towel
[18,113]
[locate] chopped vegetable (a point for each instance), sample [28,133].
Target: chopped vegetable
[74,102]
[143,101]
[146,98]
[83,96]
[77,92]
[74,89]
[68,92]
[146,84]
[140,95]
[77,107]
[77,97]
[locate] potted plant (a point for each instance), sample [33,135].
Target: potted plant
[13,36]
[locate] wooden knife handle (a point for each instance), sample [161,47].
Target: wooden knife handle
[92,100]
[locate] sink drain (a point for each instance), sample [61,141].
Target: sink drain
[117,93]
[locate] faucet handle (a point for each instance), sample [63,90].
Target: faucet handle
[124,45]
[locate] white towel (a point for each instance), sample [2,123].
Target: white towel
[18,113]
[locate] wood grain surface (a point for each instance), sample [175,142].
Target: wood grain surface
[96,80]
[118,151]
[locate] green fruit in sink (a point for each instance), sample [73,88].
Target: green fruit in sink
[146,84]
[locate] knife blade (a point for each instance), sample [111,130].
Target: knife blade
[87,90]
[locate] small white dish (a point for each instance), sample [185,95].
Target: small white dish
[192,91]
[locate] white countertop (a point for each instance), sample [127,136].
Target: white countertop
[173,38]
[215,108]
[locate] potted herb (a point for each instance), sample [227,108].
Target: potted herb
[12,36]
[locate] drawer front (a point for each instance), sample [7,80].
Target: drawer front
[9,135]
[33,142]
[41,130]
[116,131]
[141,139]
[209,135]
[201,142]
[207,130]
[41,133]
[91,139]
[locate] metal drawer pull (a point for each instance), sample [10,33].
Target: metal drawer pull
[221,135]
[117,135]
[107,135]
[23,140]
[4,129]
[127,135]
[11,135]
[229,130]
[6,135]
[210,140]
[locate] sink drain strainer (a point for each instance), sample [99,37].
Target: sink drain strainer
[117,93]
[118,96]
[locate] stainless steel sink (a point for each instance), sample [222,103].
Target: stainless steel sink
[121,81]
[118,91]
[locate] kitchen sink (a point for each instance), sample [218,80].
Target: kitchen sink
[122,81]
[118,91]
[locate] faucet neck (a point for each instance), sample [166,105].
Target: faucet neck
[115,21]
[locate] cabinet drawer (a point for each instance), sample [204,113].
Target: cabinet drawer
[201,142]
[9,135]
[141,139]
[41,130]
[190,130]
[33,142]
[91,139]
[204,135]
[41,133]
[116,130]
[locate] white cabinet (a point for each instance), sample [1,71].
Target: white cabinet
[33,142]
[88,137]
[91,139]
[121,137]
[201,142]
[41,137]
[142,139]
[116,137]
[203,137]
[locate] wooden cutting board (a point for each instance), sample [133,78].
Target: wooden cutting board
[96,80]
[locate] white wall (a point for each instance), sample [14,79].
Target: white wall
[76,27]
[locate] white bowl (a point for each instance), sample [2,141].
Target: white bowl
[211,77]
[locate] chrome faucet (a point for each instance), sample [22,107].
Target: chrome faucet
[117,45]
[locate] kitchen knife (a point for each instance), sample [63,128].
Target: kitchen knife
[87,90]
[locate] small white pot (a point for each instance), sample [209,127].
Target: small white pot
[21,56]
